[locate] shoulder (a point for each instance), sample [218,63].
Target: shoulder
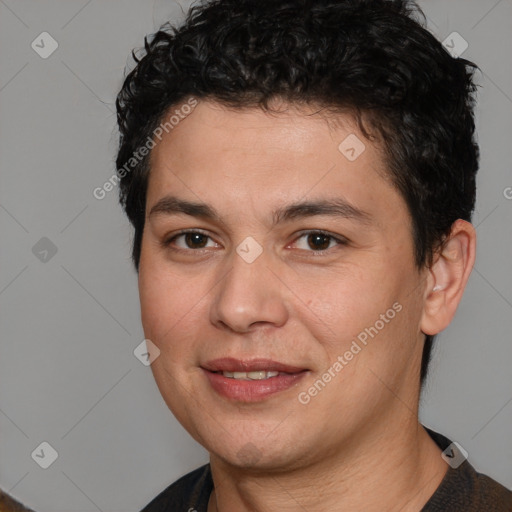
[9,504]
[191,491]
[463,489]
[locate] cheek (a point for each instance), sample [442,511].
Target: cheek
[167,299]
[343,303]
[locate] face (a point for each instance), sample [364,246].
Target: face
[270,248]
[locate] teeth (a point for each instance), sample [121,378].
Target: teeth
[259,375]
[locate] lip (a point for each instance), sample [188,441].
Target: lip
[230,364]
[251,390]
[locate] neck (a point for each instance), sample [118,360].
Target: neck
[399,468]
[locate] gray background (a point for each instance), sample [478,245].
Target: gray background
[69,325]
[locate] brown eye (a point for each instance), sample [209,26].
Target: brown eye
[195,240]
[189,240]
[318,241]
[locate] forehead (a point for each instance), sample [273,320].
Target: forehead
[242,157]
[292,130]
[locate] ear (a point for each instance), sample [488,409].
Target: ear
[448,277]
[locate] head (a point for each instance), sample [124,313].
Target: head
[272,102]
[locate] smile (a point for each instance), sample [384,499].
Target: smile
[259,375]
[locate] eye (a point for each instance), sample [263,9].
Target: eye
[189,240]
[319,241]
[314,241]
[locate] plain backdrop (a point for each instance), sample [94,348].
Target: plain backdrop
[69,311]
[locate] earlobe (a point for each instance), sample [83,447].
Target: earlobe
[448,277]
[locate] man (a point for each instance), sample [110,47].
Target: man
[301,178]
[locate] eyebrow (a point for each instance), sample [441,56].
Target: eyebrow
[337,207]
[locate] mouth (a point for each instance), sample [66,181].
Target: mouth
[254,375]
[251,380]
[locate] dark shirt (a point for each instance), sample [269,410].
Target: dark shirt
[461,490]
[9,504]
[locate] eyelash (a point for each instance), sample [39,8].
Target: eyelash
[340,240]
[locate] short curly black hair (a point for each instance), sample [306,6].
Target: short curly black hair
[374,58]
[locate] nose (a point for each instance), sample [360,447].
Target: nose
[249,294]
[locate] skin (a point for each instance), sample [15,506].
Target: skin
[357,443]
